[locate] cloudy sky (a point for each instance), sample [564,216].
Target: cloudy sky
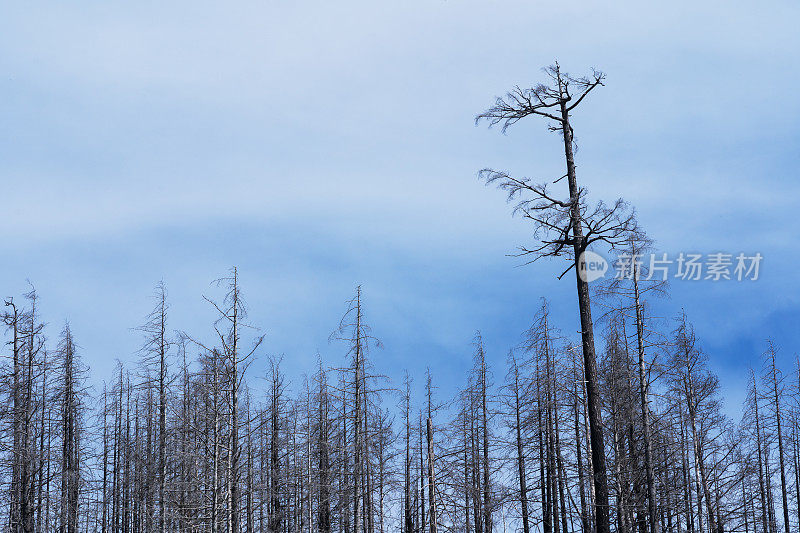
[322,145]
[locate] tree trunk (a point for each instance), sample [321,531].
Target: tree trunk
[655,525]
[431,478]
[162,412]
[579,460]
[761,474]
[523,487]
[587,338]
[544,484]
[781,461]
[487,504]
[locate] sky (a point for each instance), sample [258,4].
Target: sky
[318,146]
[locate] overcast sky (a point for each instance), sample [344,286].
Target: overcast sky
[322,145]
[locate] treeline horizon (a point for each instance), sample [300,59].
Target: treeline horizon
[621,430]
[180,440]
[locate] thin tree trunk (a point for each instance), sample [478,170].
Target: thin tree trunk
[655,525]
[487,504]
[579,461]
[162,412]
[544,483]
[523,487]
[781,461]
[431,478]
[761,474]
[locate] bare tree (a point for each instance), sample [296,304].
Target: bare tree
[565,227]
[774,381]
[517,406]
[408,519]
[155,352]
[632,290]
[70,391]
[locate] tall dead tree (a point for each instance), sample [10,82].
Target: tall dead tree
[13,321]
[565,227]
[632,289]
[698,389]
[432,514]
[644,404]
[70,453]
[276,503]
[232,313]
[155,351]
[774,381]
[354,330]
[323,436]
[408,519]
[483,494]
[517,406]
[577,393]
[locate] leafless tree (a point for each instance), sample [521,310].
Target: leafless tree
[565,226]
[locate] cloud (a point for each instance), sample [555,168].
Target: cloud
[149,139]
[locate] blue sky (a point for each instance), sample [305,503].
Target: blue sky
[320,145]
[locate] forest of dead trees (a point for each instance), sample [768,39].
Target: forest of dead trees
[621,429]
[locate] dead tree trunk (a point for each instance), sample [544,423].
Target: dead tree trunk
[408,519]
[487,502]
[587,337]
[69,427]
[431,477]
[12,320]
[162,408]
[774,378]
[655,524]
[521,472]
